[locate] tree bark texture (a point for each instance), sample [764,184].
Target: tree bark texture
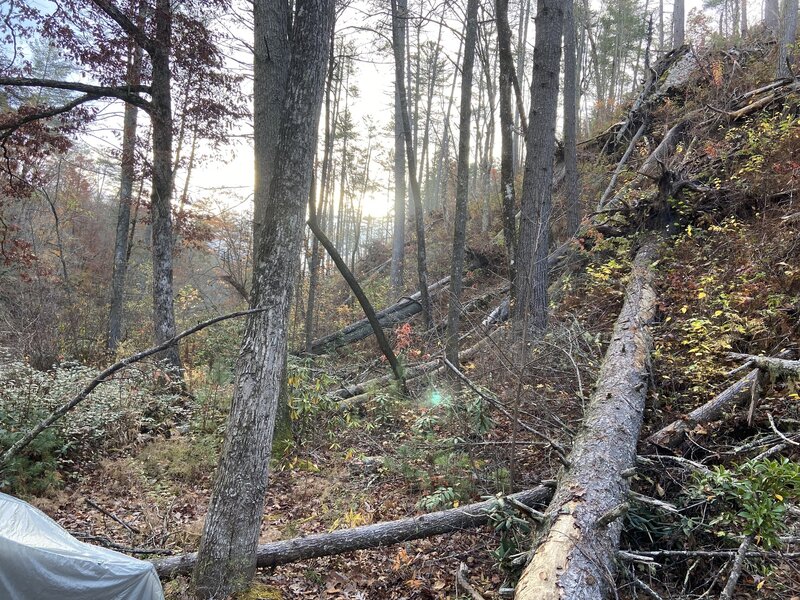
[673,435]
[531,306]
[367,536]
[227,556]
[462,185]
[161,195]
[576,557]
[271,54]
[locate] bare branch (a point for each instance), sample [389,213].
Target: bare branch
[128,93]
[8,128]
[128,26]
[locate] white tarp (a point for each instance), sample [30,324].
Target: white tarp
[41,561]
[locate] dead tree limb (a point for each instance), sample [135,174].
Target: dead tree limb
[736,571]
[366,305]
[367,536]
[105,375]
[576,558]
[779,367]
[673,435]
[621,164]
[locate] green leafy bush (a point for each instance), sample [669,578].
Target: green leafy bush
[115,413]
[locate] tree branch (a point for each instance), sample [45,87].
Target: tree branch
[128,26]
[8,128]
[128,93]
[84,393]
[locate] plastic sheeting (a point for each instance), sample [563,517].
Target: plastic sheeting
[41,561]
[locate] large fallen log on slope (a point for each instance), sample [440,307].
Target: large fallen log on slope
[367,536]
[576,557]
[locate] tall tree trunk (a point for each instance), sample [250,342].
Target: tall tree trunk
[313,268]
[399,12]
[678,22]
[530,311]
[227,555]
[660,25]
[788,38]
[462,184]
[571,190]
[576,558]
[161,196]
[506,135]
[522,52]
[744,18]
[127,173]
[399,239]
[772,15]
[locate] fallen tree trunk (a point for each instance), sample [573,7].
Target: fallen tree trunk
[674,434]
[576,557]
[779,367]
[367,536]
[397,313]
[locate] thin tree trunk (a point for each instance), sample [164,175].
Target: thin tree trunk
[161,196]
[127,174]
[462,184]
[571,190]
[227,557]
[744,26]
[678,21]
[398,244]
[313,275]
[534,239]
[785,53]
[772,16]
[506,135]
[577,556]
[398,13]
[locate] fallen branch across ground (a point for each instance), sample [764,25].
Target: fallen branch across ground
[367,536]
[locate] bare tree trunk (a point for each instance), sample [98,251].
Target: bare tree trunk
[576,559]
[506,135]
[678,21]
[571,189]
[313,268]
[399,239]
[772,15]
[785,54]
[462,184]
[537,188]
[161,196]
[227,557]
[127,173]
[398,13]
[744,18]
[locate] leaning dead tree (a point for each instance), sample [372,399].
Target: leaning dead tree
[367,536]
[576,557]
